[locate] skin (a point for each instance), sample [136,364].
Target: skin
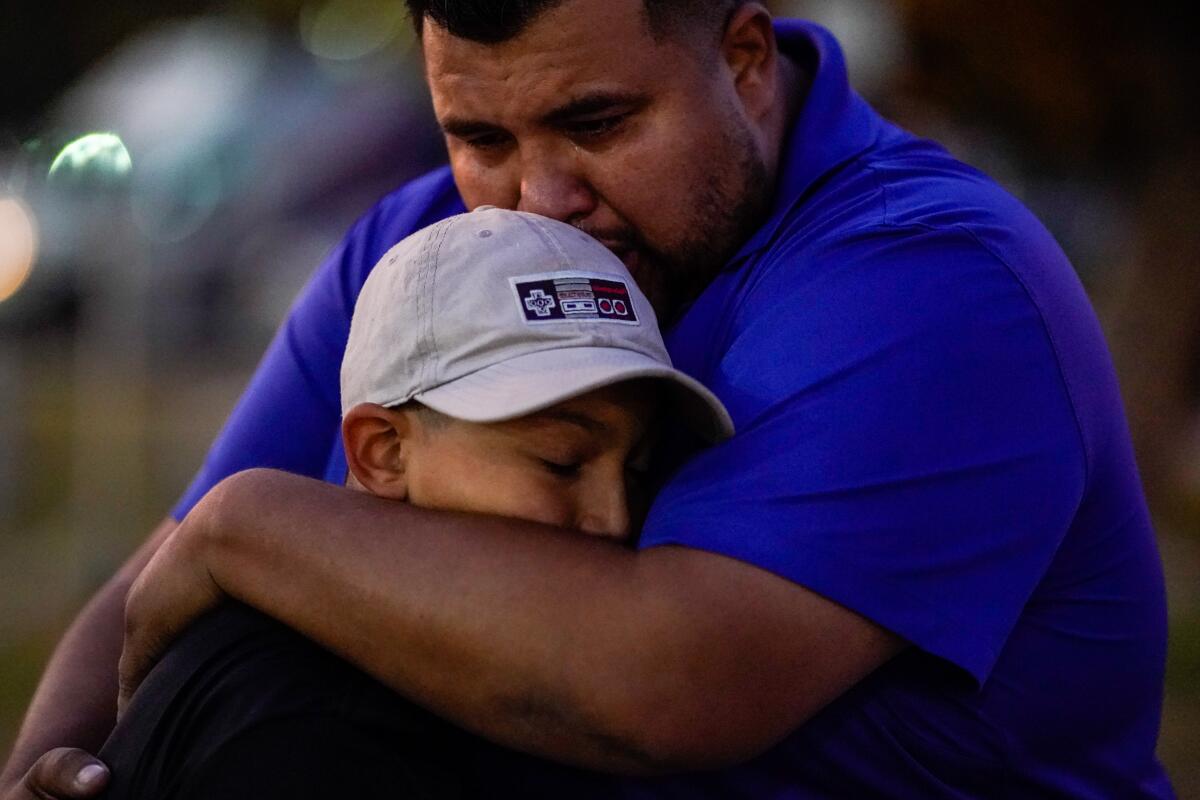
[560,123]
[572,647]
[579,465]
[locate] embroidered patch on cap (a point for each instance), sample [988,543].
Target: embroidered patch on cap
[567,297]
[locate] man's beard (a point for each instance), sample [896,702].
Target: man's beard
[725,211]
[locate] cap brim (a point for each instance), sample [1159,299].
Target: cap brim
[534,381]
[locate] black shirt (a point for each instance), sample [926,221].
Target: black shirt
[243,707]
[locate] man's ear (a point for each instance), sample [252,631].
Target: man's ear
[377,441]
[751,54]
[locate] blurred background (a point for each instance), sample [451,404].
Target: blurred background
[171,173]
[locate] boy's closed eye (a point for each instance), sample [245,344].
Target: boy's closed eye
[560,470]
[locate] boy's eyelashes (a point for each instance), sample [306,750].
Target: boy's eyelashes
[637,469]
[569,469]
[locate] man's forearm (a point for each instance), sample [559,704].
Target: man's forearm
[413,607]
[76,700]
[548,641]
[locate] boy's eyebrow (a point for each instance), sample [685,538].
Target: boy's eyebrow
[582,420]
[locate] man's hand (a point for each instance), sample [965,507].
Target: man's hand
[75,700]
[173,590]
[62,774]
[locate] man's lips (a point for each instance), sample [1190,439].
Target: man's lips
[633,261]
[624,247]
[629,255]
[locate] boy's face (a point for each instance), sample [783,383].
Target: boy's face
[575,465]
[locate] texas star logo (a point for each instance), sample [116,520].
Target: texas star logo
[571,297]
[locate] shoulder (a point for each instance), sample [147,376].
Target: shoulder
[907,234]
[417,204]
[908,189]
[334,288]
[908,250]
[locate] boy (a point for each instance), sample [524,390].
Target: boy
[498,363]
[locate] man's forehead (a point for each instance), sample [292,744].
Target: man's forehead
[510,20]
[575,42]
[561,58]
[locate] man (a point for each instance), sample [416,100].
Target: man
[532,394]
[922,568]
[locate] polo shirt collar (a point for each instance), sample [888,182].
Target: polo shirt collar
[833,126]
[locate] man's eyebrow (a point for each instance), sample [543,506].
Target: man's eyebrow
[593,103]
[582,106]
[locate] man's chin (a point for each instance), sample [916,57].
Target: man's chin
[632,258]
[645,276]
[647,273]
[634,261]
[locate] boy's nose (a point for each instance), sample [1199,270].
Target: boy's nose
[604,511]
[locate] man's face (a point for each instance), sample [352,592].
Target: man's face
[585,117]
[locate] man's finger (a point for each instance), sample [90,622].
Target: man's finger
[131,671]
[66,774]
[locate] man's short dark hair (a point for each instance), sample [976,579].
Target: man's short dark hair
[494,21]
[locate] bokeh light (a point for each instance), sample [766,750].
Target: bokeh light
[175,193]
[871,33]
[347,30]
[18,245]
[95,158]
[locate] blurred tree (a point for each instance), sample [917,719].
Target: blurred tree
[1106,92]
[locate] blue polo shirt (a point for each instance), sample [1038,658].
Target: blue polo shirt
[929,433]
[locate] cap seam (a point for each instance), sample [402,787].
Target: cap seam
[548,239]
[435,350]
[419,348]
[427,352]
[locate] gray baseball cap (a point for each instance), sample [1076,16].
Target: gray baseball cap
[496,314]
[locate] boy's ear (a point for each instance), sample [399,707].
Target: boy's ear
[376,441]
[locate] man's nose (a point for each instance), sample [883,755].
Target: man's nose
[604,510]
[552,186]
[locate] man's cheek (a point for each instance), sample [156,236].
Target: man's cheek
[649,200]
[480,183]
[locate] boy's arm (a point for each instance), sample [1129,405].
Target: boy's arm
[75,703]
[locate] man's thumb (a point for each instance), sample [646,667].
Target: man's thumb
[66,774]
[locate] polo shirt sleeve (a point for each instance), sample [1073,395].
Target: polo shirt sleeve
[289,416]
[906,445]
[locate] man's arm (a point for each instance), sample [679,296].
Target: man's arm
[75,703]
[561,645]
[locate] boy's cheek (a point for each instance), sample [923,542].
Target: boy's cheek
[533,500]
[481,488]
